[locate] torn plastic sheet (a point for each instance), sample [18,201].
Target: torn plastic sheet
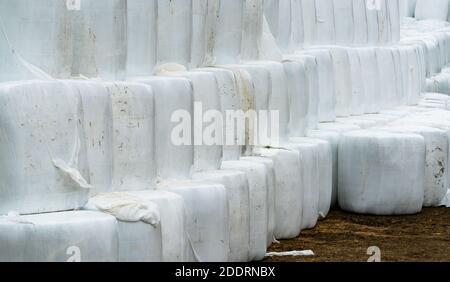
[125,207]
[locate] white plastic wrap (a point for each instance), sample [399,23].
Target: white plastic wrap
[431,10]
[371,78]
[343,19]
[360,22]
[252,33]
[228,34]
[174,28]
[59,237]
[326,31]
[298,97]
[100,39]
[258,183]
[414,76]
[324,170]
[139,242]
[309,182]
[206,93]
[278,14]
[357,91]
[206,207]
[138,225]
[333,139]
[297,37]
[39,32]
[43,153]
[278,100]
[175,243]
[309,22]
[383,22]
[288,193]
[312,75]
[373,36]
[237,187]
[271,186]
[436,166]
[342,81]
[327,95]
[228,88]
[171,94]
[98,130]
[141,36]
[133,114]
[201,30]
[247,102]
[387,77]
[393,20]
[381,173]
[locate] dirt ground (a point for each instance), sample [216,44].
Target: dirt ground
[345,237]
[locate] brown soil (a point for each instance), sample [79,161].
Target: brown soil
[344,237]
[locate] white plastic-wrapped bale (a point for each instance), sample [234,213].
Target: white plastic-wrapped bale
[252,29]
[133,136]
[342,80]
[59,237]
[312,75]
[207,149]
[228,88]
[371,78]
[174,161]
[431,10]
[360,23]
[139,242]
[237,187]
[309,22]
[327,96]
[387,77]
[98,132]
[373,36]
[393,20]
[35,35]
[333,139]
[278,100]
[43,153]
[381,173]
[175,244]
[288,193]
[357,92]
[138,225]
[174,29]
[278,15]
[297,31]
[326,31]
[141,36]
[100,44]
[357,120]
[257,176]
[298,97]
[436,166]
[270,194]
[325,173]
[206,207]
[228,32]
[343,20]
[308,187]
